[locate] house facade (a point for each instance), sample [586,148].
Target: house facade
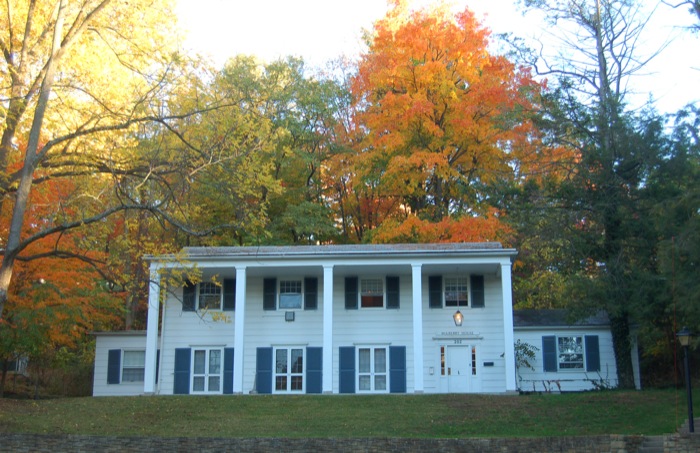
[324,319]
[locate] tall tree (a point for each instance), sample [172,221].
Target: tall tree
[444,117]
[602,194]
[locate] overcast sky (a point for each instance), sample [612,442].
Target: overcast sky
[322,30]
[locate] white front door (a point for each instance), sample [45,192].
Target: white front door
[459,368]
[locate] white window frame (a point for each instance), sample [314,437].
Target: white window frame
[561,353]
[208,373]
[372,374]
[280,283]
[361,291]
[211,286]
[458,279]
[289,375]
[125,367]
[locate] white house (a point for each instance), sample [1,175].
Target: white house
[418,318]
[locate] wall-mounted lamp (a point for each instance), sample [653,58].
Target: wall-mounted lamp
[458,317]
[289,316]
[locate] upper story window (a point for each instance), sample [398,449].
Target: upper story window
[290,294]
[371,293]
[209,295]
[456,291]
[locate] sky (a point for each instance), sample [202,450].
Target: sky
[323,30]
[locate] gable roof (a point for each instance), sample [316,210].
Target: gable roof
[555,318]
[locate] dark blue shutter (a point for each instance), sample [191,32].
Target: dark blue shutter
[114,366]
[228,371]
[270,294]
[346,356]
[397,369]
[434,291]
[314,370]
[157,363]
[392,292]
[310,293]
[592,353]
[183,356]
[263,375]
[549,353]
[229,294]
[189,294]
[351,293]
[477,287]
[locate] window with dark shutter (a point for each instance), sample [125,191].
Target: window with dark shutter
[397,369]
[392,292]
[189,294]
[229,294]
[263,368]
[477,290]
[270,294]
[183,357]
[549,353]
[310,293]
[351,293]
[435,291]
[228,371]
[314,370]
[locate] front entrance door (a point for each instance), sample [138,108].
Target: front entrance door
[459,366]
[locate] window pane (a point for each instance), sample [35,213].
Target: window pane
[297,383]
[215,361]
[290,300]
[364,360]
[198,384]
[133,375]
[380,360]
[281,361]
[297,361]
[281,383]
[380,382]
[134,358]
[209,296]
[214,383]
[570,352]
[372,292]
[365,383]
[456,291]
[199,361]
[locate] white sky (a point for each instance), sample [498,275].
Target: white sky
[322,30]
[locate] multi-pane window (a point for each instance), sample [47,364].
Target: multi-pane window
[209,296]
[371,292]
[290,294]
[456,292]
[289,370]
[372,369]
[206,371]
[570,352]
[133,366]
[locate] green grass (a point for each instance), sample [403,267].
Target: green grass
[421,416]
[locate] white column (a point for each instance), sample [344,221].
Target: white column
[507,291]
[417,328]
[327,329]
[149,375]
[239,330]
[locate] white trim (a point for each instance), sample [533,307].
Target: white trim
[508,335]
[417,285]
[327,386]
[239,329]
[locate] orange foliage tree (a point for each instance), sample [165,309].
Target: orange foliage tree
[442,119]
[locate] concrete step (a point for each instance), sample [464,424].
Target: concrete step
[652,444]
[684,427]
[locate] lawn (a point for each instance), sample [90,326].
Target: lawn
[422,416]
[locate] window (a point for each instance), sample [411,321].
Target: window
[570,353]
[289,370]
[372,293]
[206,371]
[133,366]
[209,295]
[456,292]
[372,369]
[290,294]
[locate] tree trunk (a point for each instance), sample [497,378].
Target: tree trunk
[620,328]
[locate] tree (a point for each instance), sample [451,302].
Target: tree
[601,196]
[443,118]
[75,73]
